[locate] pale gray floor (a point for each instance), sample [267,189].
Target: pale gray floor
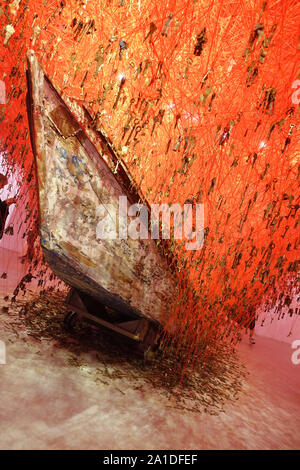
[48,404]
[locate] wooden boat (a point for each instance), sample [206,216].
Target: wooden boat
[126,284]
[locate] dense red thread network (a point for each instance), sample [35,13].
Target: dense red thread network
[200,99]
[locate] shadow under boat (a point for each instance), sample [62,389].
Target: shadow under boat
[123,284]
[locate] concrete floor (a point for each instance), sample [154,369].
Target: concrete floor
[47,403]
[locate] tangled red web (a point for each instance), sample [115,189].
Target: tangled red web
[200,99]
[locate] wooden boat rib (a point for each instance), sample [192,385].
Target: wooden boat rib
[78,169]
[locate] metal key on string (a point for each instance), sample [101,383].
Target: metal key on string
[135,125]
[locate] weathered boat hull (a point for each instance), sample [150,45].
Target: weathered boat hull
[74,169]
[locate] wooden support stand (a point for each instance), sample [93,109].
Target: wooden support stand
[145,332]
